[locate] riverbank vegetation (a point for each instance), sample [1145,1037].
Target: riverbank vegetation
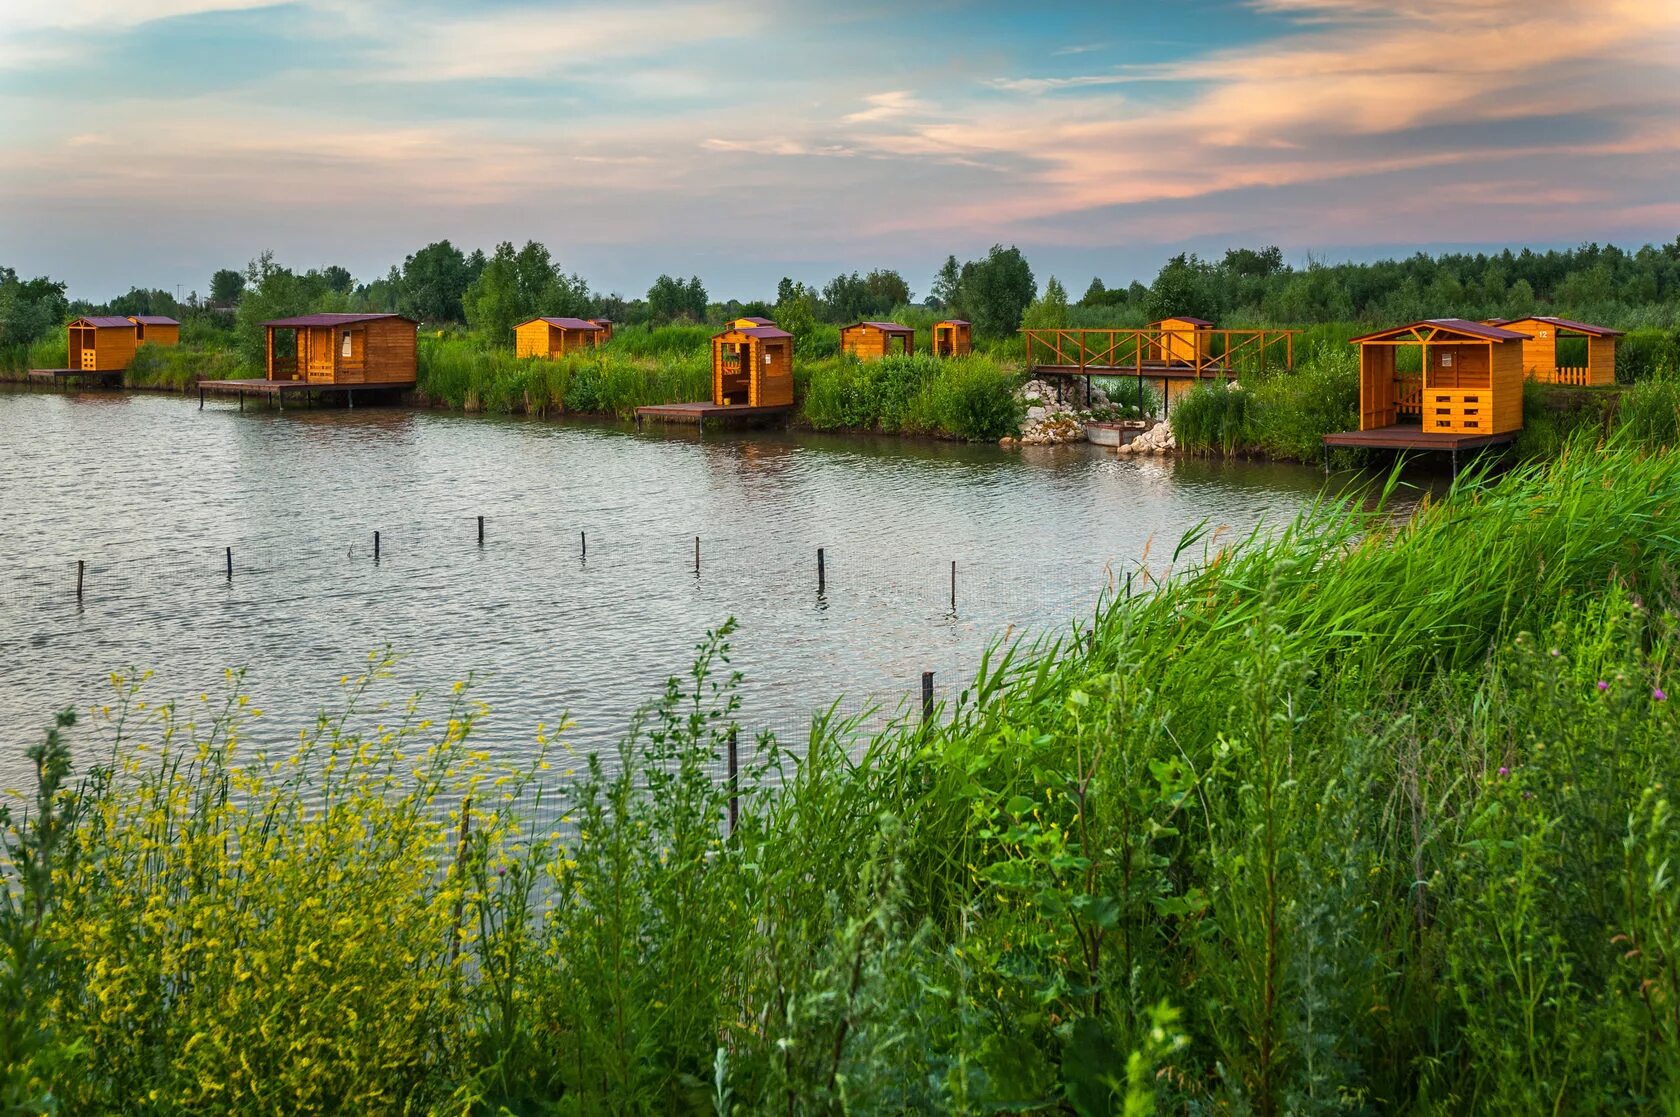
[1360,816]
[468,302]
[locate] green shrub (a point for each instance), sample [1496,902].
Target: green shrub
[967,398]
[1212,417]
[179,368]
[1291,412]
[1640,353]
[1649,410]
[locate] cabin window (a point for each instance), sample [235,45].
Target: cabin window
[344,350]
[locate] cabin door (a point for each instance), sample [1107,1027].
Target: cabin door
[319,349]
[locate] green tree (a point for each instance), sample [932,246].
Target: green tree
[338,280]
[942,293]
[1095,295]
[226,286]
[29,309]
[1050,310]
[514,287]
[670,299]
[434,280]
[1182,288]
[995,292]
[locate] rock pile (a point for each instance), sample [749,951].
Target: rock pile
[1049,423]
[1158,439]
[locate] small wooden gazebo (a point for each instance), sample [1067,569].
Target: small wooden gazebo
[155,329]
[373,349]
[101,343]
[1593,346]
[870,341]
[752,366]
[1180,340]
[556,337]
[951,338]
[1468,380]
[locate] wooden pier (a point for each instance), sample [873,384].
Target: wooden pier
[700,413]
[278,390]
[65,375]
[1410,436]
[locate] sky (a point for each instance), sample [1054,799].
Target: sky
[150,142]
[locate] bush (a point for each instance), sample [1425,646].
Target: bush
[1649,411]
[1211,418]
[179,368]
[1639,353]
[1291,412]
[968,398]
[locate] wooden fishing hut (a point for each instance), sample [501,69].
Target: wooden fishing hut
[1590,349]
[749,322]
[1464,393]
[155,329]
[606,325]
[870,341]
[101,343]
[952,338]
[752,379]
[329,354]
[1181,340]
[556,337]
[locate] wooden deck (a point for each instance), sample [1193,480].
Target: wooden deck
[703,412]
[278,390]
[1149,370]
[1157,353]
[1406,436]
[62,375]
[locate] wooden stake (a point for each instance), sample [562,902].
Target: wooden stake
[953,587]
[481,531]
[583,544]
[734,783]
[376,546]
[696,556]
[81,569]
[460,870]
[822,580]
[927,697]
[230,563]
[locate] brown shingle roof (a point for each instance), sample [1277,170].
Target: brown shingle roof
[153,320]
[566,323]
[332,319]
[884,327]
[103,321]
[1457,325]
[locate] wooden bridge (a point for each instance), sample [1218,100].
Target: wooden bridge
[1158,353]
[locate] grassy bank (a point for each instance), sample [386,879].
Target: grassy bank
[966,399]
[1358,817]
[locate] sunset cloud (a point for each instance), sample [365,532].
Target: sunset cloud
[632,136]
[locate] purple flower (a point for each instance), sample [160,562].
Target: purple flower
[501,872]
[1660,695]
[1504,771]
[1603,686]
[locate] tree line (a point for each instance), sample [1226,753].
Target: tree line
[442,285]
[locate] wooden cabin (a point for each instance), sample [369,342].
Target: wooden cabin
[1180,341]
[374,349]
[155,329]
[556,337]
[752,366]
[101,343]
[870,341]
[1590,351]
[751,322]
[606,325]
[1468,378]
[951,338]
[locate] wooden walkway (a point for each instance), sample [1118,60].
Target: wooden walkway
[1406,436]
[699,414]
[1157,354]
[278,390]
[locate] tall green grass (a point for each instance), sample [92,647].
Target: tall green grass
[1363,815]
[969,398]
[462,373]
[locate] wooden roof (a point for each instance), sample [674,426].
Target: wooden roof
[1462,327]
[565,323]
[333,319]
[754,319]
[153,320]
[104,322]
[763,333]
[1562,323]
[953,322]
[1182,318]
[884,327]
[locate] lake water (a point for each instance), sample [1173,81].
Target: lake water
[148,491]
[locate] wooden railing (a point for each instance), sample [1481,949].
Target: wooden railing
[1408,394]
[1196,352]
[1575,377]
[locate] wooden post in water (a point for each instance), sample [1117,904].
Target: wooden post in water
[734,782]
[953,587]
[583,544]
[822,579]
[376,546]
[697,556]
[230,563]
[481,531]
[927,697]
[81,569]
